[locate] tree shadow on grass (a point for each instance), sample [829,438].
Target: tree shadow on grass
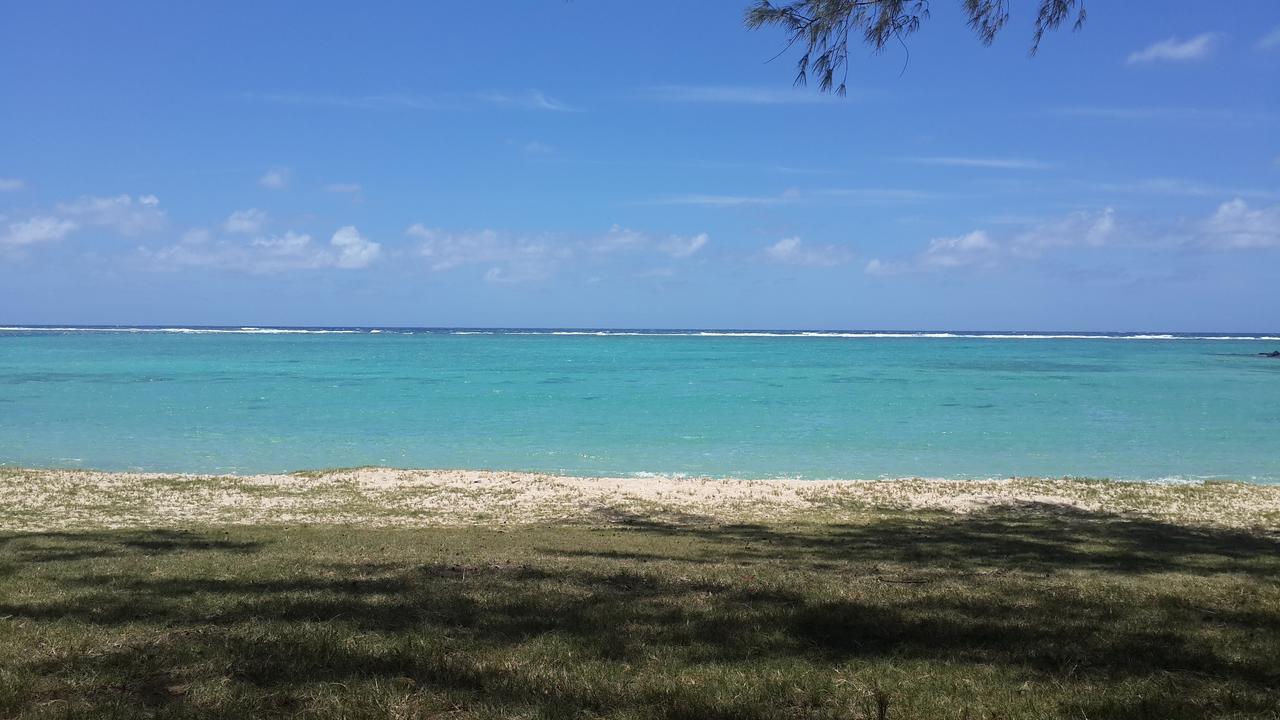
[1027,537]
[1044,595]
[45,547]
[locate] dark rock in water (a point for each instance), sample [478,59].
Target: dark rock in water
[1273,353]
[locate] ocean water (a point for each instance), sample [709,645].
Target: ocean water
[741,404]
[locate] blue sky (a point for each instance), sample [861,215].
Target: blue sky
[606,164]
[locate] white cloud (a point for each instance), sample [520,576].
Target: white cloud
[879,195]
[347,188]
[530,99]
[347,250]
[11,184]
[729,200]
[992,163]
[278,252]
[975,249]
[520,258]
[1233,226]
[353,249]
[37,230]
[617,239]
[389,101]
[729,94]
[620,239]
[185,254]
[875,266]
[682,247]
[245,222]
[784,250]
[792,251]
[515,274]
[1172,49]
[1079,229]
[1177,186]
[512,257]
[795,195]
[275,179]
[537,148]
[1270,41]
[1236,226]
[123,214]
[951,252]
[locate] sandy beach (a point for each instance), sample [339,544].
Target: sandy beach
[39,500]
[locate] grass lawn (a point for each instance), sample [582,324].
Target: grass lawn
[1026,612]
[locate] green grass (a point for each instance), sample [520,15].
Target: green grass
[1026,613]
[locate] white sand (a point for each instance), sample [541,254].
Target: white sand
[33,500]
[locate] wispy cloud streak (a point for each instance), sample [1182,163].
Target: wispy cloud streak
[1270,41]
[728,94]
[1175,50]
[991,163]
[527,99]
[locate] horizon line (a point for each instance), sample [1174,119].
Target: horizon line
[635,329]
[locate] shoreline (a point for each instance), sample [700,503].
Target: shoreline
[53,500]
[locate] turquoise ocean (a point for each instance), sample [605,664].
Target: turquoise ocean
[724,403]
